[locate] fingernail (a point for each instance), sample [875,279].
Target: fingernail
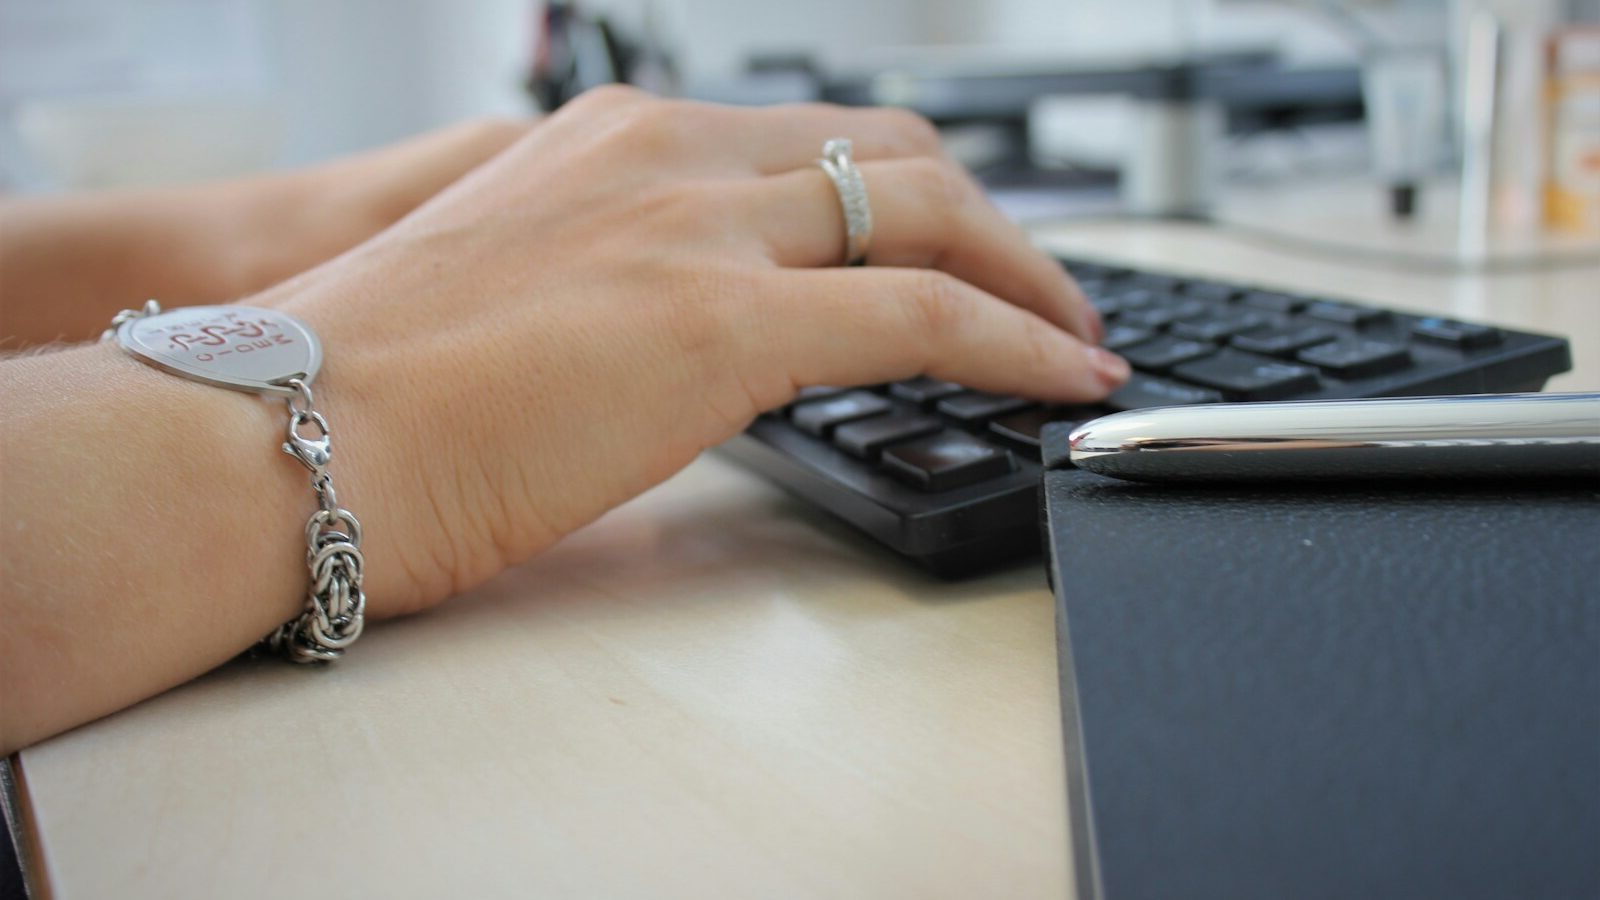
[1111,368]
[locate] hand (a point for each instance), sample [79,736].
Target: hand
[557,331]
[302,218]
[72,262]
[632,283]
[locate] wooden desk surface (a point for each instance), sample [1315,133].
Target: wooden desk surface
[714,691]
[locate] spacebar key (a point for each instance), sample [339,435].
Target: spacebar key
[1143,391]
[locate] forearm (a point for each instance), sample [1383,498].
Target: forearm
[153,531]
[68,263]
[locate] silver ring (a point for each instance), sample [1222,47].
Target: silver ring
[841,168]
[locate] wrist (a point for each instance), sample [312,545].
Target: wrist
[203,502]
[268,353]
[391,456]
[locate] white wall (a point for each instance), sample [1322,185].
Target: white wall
[355,73]
[319,77]
[347,74]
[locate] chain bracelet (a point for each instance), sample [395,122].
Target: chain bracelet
[150,308]
[335,603]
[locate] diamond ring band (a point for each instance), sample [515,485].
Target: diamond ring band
[840,167]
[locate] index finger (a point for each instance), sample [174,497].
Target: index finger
[869,326]
[926,214]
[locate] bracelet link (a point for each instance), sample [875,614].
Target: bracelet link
[335,610]
[313,453]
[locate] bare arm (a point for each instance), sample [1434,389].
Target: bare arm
[560,330]
[68,263]
[133,554]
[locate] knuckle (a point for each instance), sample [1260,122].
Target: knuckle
[944,183]
[659,127]
[697,305]
[808,109]
[940,307]
[1040,354]
[918,135]
[731,350]
[607,95]
[496,131]
[672,208]
[715,345]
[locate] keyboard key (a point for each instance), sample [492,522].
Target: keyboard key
[866,438]
[820,417]
[1121,337]
[1357,358]
[1283,343]
[1345,314]
[1162,316]
[1216,328]
[805,395]
[1462,335]
[1021,430]
[817,392]
[1092,287]
[924,391]
[1153,319]
[1214,291]
[1164,352]
[1249,377]
[1156,282]
[1144,391]
[976,407]
[1140,298]
[945,461]
[1082,270]
[1106,306]
[1272,301]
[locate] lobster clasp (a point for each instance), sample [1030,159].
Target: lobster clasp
[313,452]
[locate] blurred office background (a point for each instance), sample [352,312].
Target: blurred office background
[99,92]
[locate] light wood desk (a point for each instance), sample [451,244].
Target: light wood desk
[713,692]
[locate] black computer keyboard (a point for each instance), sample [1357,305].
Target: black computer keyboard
[949,477]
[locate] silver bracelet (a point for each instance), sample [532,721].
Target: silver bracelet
[263,351]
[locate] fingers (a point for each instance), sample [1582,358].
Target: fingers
[926,214]
[376,188]
[477,140]
[867,326]
[728,140]
[784,138]
[439,157]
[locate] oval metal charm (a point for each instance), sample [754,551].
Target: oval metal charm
[244,348]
